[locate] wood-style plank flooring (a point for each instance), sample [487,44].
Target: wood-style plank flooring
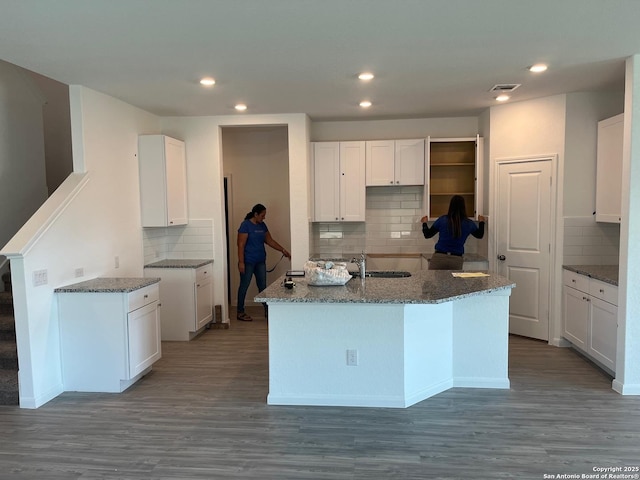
[202,414]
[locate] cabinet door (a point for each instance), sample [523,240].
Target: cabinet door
[575,315]
[352,181]
[409,162]
[380,168]
[144,346]
[453,170]
[163,181]
[609,169]
[603,332]
[176,182]
[326,172]
[204,303]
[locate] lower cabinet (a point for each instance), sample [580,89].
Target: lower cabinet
[108,339]
[590,317]
[187,300]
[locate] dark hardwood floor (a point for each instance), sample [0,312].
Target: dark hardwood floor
[202,414]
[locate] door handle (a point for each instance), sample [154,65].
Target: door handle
[502,258]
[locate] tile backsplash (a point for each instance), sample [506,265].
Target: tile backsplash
[194,240]
[587,242]
[392,226]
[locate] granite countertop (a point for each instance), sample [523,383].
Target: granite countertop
[180,263]
[424,286]
[604,273]
[108,285]
[468,257]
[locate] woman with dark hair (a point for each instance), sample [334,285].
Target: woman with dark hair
[454,228]
[252,256]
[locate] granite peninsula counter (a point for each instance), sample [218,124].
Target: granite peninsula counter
[386,342]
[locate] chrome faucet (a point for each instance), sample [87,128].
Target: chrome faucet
[362,264]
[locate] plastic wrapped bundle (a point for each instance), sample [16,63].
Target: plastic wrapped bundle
[326,273]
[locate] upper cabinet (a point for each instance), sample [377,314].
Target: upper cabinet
[609,169]
[339,181]
[395,162]
[454,166]
[163,181]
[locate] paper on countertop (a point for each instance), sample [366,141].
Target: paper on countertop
[469,274]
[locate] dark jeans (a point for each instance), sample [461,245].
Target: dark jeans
[251,269]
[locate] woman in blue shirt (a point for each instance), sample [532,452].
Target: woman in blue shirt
[454,228]
[252,256]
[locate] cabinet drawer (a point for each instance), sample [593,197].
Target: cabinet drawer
[575,280]
[604,291]
[143,296]
[203,273]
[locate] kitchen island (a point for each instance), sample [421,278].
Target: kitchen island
[386,342]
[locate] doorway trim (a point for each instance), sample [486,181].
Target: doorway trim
[556,235]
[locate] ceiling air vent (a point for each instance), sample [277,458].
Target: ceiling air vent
[505,87]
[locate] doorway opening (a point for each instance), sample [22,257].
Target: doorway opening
[255,163]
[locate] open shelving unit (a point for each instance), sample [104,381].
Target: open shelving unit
[453,170]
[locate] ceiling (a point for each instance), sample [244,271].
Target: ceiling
[431,58]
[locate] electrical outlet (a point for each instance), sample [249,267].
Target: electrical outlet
[39,278]
[79,272]
[352,358]
[116,261]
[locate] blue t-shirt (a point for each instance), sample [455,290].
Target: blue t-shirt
[446,243]
[254,251]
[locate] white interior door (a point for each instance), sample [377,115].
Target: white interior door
[524,242]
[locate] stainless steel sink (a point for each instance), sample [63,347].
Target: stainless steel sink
[383,274]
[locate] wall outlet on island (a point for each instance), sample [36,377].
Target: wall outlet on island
[79,272]
[352,358]
[116,261]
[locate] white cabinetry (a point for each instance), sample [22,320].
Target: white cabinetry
[108,339]
[339,181]
[590,315]
[187,299]
[609,169]
[395,162]
[454,166]
[163,181]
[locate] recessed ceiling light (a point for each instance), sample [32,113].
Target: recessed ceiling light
[208,82]
[241,107]
[537,68]
[365,104]
[366,76]
[503,98]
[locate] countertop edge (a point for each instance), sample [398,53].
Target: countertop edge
[180,263]
[413,301]
[109,285]
[595,272]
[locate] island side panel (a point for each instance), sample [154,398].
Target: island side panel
[428,352]
[308,345]
[481,341]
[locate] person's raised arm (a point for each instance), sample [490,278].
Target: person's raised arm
[427,231]
[479,233]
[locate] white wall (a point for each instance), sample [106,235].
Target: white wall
[394,129]
[23,186]
[628,353]
[102,221]
[205,177]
